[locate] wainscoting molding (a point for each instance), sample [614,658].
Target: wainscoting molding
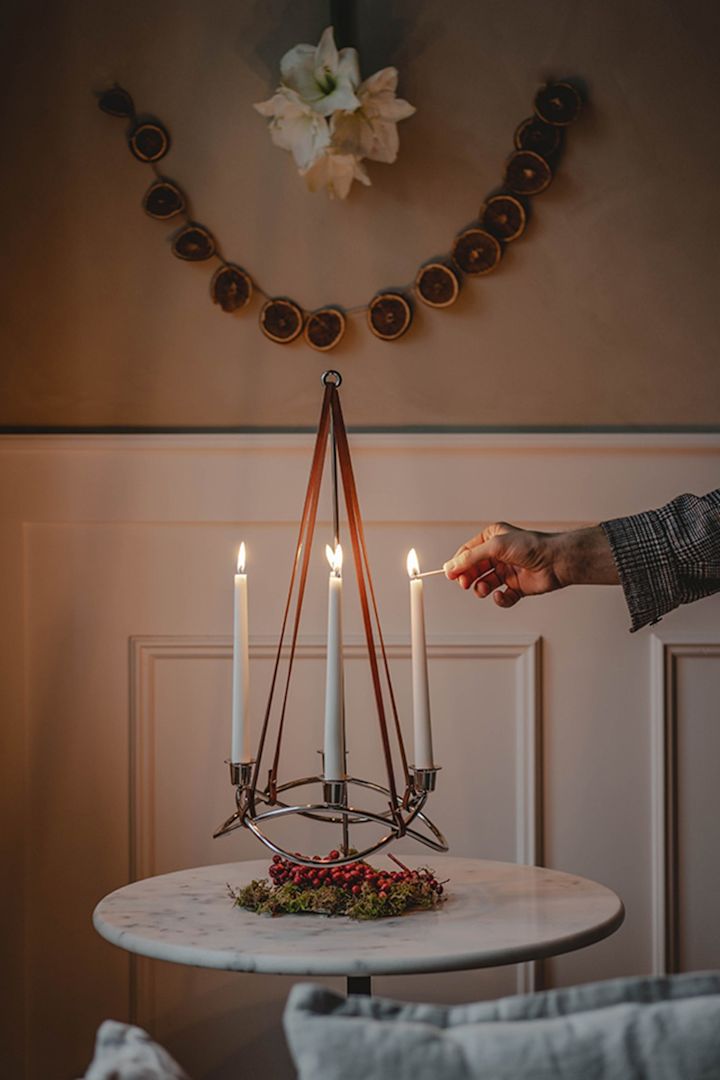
[147,652]
[110,539]
[666,654]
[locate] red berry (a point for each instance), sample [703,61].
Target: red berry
[382,896]
[333,854]
[356,890]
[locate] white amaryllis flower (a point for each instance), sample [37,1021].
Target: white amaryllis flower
[371,130]
[335,172]
[328,120]
[323,78]
[294,126]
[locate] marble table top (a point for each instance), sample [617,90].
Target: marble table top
[495,913]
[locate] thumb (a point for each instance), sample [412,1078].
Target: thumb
[476,559]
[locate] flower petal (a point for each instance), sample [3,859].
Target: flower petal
[335,172]
[385,79]
[346,130]
[325,62]
[284,102]
[341,179]
[305,136]
[302,56]
[297,69]
[377,95]
[383,143]
[349,66]
[341,98]
[361,173]
[392,108]
[371,137]
[266,108]
[316,175]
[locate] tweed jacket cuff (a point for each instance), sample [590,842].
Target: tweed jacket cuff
[667,557]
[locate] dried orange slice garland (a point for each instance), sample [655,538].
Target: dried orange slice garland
[476,250]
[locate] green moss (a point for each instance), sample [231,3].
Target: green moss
[265,898]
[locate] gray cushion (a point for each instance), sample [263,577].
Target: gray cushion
[623,1029]
[124,1052]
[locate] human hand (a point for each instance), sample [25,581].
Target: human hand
[528,563]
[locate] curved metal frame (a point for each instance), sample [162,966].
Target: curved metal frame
[399,823]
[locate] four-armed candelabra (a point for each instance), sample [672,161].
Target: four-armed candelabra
[401,810]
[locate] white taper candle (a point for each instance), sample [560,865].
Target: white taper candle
[422,730]
[334,741]
[240,742]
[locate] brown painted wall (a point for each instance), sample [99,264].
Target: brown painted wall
[606,313]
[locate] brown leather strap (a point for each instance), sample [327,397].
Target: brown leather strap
[361,570]
[331,409]
[314,486]
[371,591]
[302,550]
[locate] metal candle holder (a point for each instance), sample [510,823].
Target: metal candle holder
[405,814]
[334,809]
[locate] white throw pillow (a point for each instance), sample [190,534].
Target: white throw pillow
[640,1028]
[124,1052]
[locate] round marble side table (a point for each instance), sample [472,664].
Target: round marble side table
[495,913]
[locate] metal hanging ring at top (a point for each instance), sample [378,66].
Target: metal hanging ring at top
[331,378]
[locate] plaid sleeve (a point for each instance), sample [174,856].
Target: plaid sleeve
[667,557]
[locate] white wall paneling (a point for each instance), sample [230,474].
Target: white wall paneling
[686,835]
[163,830]
[123,547]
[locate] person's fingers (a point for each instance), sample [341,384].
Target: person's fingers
[498,528]
[474,541]
[458,565]
[507,598]
[458,560]
[476,548]
[485,586]
[487,582]
[474,561]
[467,578]
[467,581]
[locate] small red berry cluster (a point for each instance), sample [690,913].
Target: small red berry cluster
[355,889]
[351,877]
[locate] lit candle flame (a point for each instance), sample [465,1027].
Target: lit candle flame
[335,559]
[413,566]
[241,559]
